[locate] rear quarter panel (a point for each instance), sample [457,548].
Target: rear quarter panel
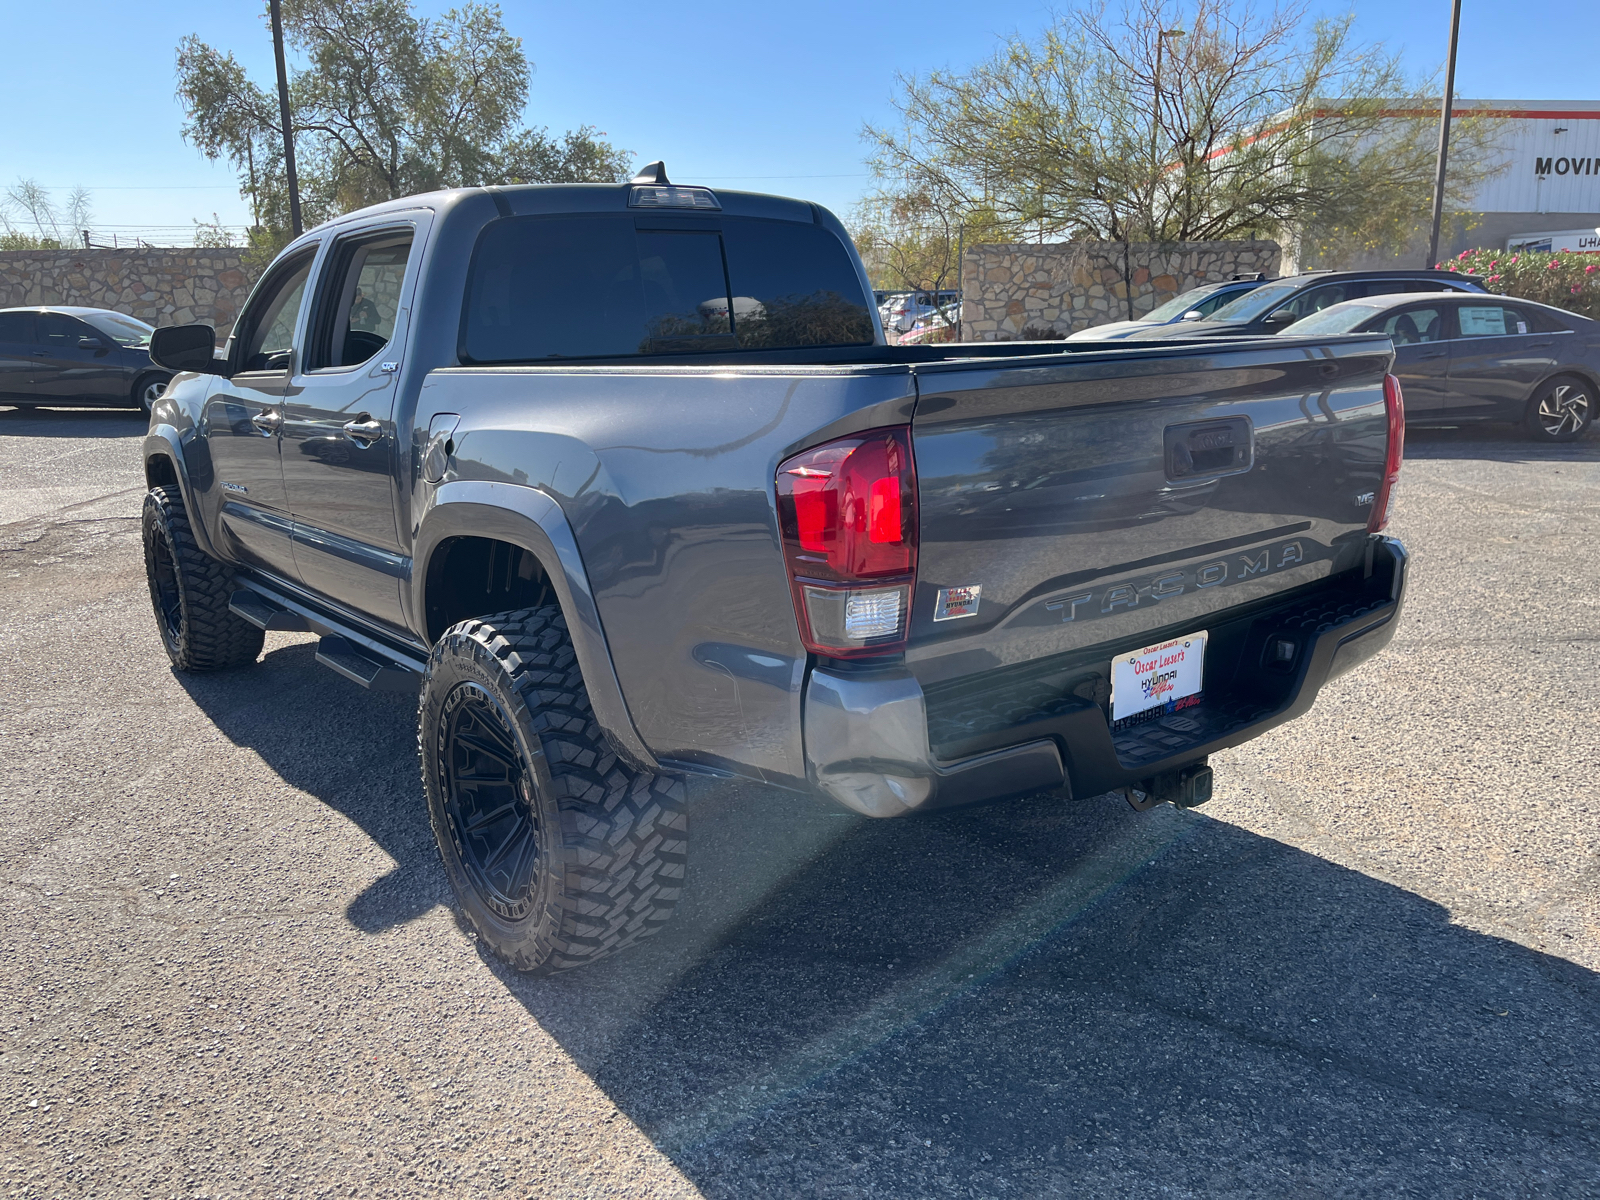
[666,476]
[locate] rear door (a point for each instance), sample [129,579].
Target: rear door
[17,355]
[1421,335]
[1130,494]
[1498,357]
[340,449]
[76,364]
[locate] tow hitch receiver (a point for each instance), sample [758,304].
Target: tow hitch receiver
[1184,788]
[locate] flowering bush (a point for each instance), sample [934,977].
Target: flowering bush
[1565,279]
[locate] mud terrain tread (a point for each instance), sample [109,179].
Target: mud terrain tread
[624,830]
[211,638]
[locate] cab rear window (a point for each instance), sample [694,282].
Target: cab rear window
[620,285]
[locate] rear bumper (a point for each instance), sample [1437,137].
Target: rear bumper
[867,730]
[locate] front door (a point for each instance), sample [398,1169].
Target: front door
[1421,337]
[1498,356]
[77,365]
[16,356]
[244,416]
[340,452]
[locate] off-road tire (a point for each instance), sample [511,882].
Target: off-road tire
[1562,409]
[189,591]
[559,852]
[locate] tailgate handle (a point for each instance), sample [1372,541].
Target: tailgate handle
[1208,449]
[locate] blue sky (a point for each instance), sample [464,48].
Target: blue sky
[769,97]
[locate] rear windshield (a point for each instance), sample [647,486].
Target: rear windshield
[613,285]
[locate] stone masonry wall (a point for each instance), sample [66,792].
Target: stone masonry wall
[162,287]
[1014,291]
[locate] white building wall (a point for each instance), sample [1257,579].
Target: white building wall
[1548,171]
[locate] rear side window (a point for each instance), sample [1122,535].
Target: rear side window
[16,328]
[605,286]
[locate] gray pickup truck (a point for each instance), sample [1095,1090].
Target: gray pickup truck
[625,482]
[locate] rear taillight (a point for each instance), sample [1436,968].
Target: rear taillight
[1394,405]
[848,512]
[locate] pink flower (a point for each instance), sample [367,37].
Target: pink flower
[1513,258]
[1554,265]
[1590,269]
[1465,254]
[1492,278]
[1576,289]
[1439,266]
[1494,264]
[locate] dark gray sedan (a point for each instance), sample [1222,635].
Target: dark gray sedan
[70,356]
[1481,358]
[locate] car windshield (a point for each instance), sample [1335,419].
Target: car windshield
[1336,318]
[125,331]
[1177,305]
[1252,304]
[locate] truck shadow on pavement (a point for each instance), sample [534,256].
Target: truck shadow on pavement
[1033,998]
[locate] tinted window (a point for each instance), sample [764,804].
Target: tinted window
[599,286]
[1252,304]
[57,331]
[1490,320]
[360,299]
[16,327]
[1317,299]
[273,314]
[1412,326]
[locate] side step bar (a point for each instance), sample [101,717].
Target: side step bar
[340,655]
[359,659]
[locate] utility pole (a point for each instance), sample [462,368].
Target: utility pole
[1444,132]
[283,113]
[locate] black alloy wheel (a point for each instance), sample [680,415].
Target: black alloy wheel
[490,801]
[1561,410]
[558,850]
[164,593]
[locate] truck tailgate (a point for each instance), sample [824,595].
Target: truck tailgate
[1117,498]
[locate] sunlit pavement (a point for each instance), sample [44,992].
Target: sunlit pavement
[1367,968]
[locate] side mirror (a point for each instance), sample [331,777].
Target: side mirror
[186,348]
[89,343]
[1194,314]
[1279,319]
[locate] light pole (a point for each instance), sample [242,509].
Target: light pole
[1444,132]
[283,113]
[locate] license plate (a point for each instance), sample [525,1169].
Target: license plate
[1162,678]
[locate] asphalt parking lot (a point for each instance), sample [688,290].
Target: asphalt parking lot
[1367,968]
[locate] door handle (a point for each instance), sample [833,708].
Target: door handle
[1538,344]
[363,430]
[1435,354]
[267,421]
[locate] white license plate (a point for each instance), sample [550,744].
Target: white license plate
[1167,677]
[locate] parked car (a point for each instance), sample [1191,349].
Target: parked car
[903,311]
[941,325]
[1274,307]
[1481,358]
[69,356]
[1194,305]
[615,542]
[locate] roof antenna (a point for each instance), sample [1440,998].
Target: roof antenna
[655,173]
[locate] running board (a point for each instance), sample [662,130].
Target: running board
[342,649]
[264,614]
[341,655]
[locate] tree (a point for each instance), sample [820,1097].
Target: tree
[387,105]
[31,220]
[1179,122]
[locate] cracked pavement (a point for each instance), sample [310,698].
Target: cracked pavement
[1367,968]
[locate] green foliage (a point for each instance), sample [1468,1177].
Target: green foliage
[388,104]
[1166,121]
[1565,279]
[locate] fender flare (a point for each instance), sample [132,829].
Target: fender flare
[163,441]
[531,519]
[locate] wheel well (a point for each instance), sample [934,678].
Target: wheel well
[159,472]
[474,576]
